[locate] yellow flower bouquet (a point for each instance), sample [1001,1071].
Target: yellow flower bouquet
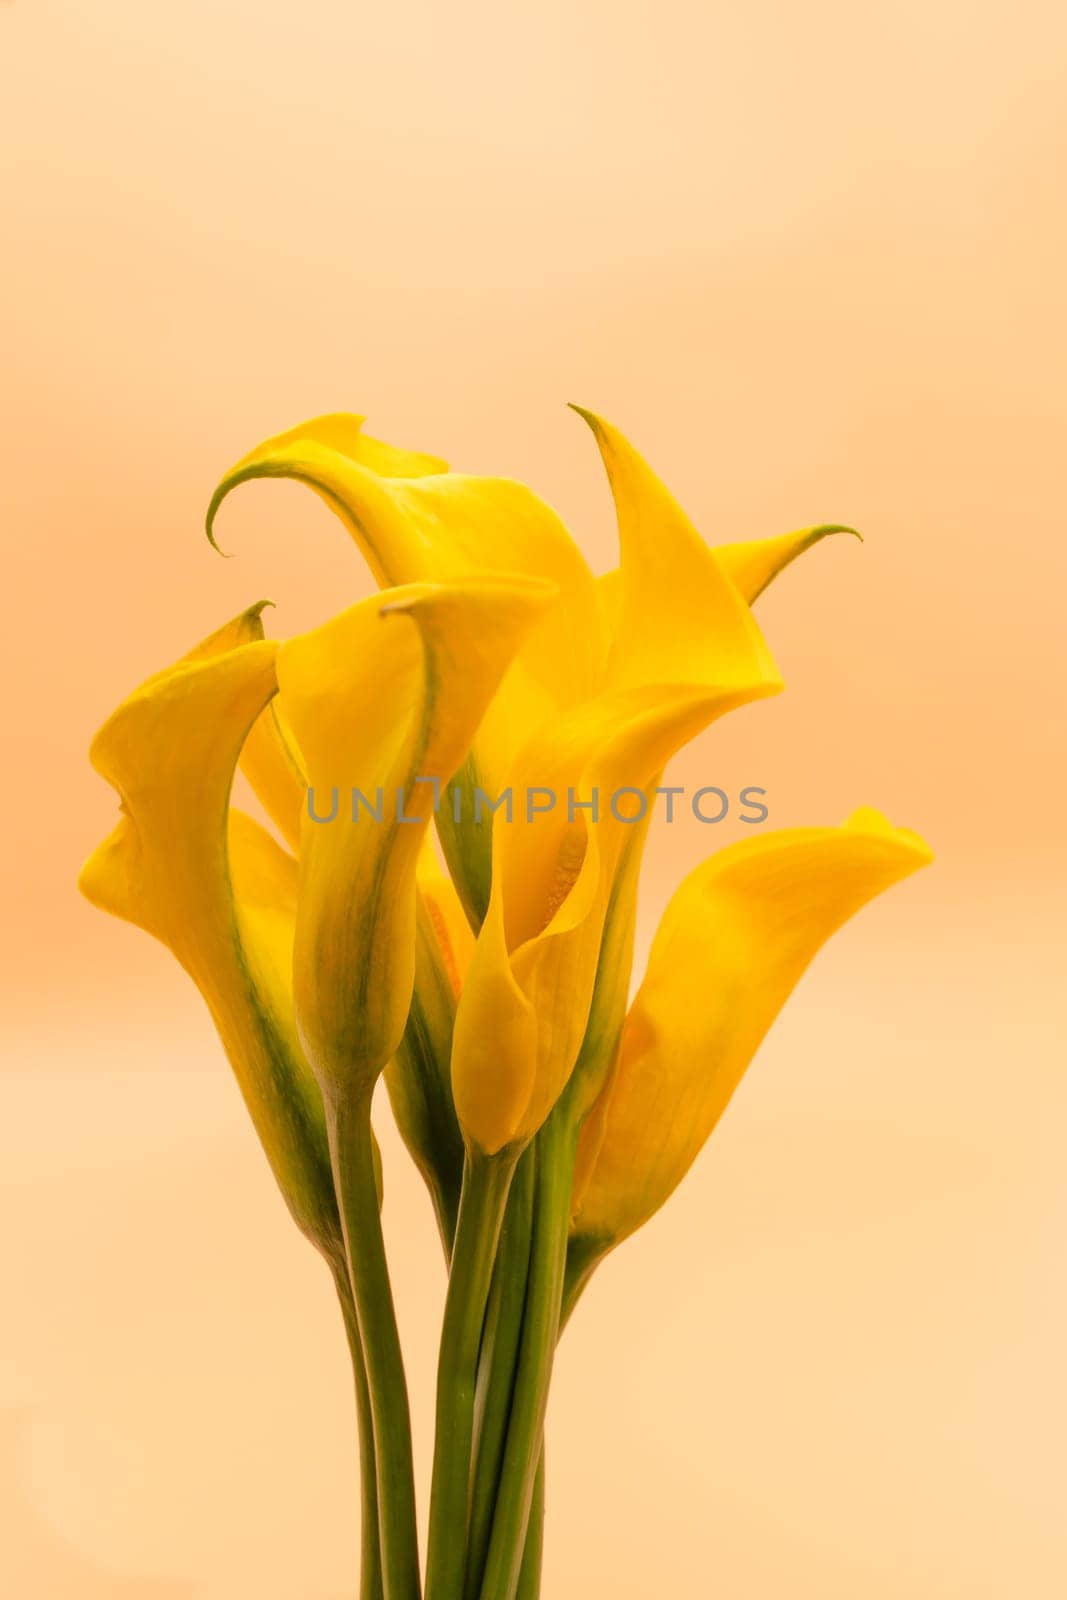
[498,693]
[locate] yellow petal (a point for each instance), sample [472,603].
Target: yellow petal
[246,628]
[271,763]
[755,563]
[679,618]
[732,944]
[453,939]
[383,701]
[340,432]
[217,891]
[526,1002]
[751,565]
[523,1012]
[269,759]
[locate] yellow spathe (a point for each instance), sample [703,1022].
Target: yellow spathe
[732,944]
[216,889]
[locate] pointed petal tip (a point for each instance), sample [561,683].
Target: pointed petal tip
[610,440]
[209,521]
[876,825]
[253,614]
[821,529]
[599,426]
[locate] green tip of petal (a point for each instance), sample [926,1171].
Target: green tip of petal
[597,424]
[245,473]
[212,512]
[254,615]
[823,528]
[601,430]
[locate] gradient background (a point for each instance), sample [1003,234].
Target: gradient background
[812,258]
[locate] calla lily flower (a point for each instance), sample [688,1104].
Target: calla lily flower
[383,701]
[684,651]
[217,890]
[417,1077]
[732,945]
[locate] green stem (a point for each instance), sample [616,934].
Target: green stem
[482,1203]
[580,1269]
[533,1551]
[584,1255]
[555,1174]
[496,1365]
[370,1565]
[352,1154]
[582,1262]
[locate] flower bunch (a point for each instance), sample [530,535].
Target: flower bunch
[548,1116]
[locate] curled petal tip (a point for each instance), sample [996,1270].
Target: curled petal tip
[209,523]
[823,528]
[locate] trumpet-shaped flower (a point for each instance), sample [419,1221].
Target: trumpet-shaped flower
[684,651]
[216,889]
[732,945]
[417,1077]
[383,701]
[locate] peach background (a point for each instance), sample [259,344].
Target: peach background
[812,257]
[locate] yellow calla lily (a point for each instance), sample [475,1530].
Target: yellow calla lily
[383,701]
[216,889]
[417,1078]
[685,651]
[732,945]
[752,567]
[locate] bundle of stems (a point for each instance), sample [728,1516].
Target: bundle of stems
[511,1286]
